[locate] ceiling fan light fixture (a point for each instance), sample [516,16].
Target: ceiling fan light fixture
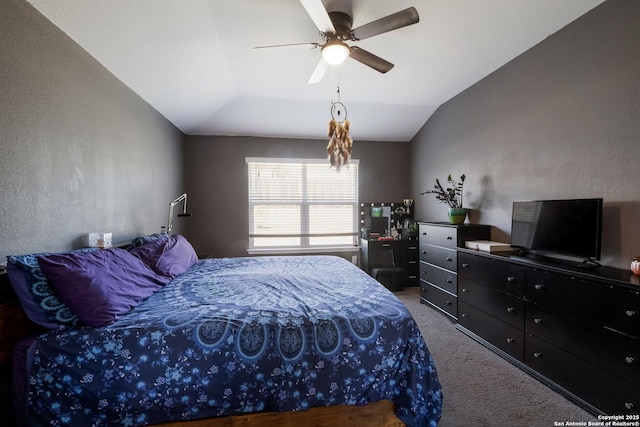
[335,52]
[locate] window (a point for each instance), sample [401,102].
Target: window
[301,204]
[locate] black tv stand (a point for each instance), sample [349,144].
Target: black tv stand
[520,252]
[589,264]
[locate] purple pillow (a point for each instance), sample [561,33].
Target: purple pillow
[169,257]
[100,286]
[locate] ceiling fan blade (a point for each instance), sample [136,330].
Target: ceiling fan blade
[391,22]
[371,60]
[290,45]
[319,72]
[319,15]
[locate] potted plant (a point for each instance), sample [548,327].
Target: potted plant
[452,196]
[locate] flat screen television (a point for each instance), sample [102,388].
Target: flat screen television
[567,227]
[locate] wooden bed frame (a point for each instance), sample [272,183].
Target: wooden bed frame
[377,414]
[14,324]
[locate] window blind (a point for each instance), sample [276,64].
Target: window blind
[301,203]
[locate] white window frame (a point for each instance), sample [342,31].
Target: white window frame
[304,246]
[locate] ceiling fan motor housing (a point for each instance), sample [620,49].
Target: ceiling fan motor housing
[342,22]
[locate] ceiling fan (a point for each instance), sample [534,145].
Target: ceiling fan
[335,29]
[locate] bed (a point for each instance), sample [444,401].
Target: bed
[225,337]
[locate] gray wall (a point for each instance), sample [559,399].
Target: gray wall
[217,184]
[560,121]
[80,152]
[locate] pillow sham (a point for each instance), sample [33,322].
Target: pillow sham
[37,298]
[168,257]
[100,286]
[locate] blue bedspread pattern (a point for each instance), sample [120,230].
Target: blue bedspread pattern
[240,335]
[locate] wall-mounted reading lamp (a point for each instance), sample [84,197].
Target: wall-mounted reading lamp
[182,198]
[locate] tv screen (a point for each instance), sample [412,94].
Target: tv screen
[568,227]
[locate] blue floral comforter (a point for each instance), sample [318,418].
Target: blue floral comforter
[239,335]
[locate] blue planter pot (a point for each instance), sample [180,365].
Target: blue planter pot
[457,215]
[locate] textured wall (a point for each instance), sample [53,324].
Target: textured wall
[560,121]
[80,152]
[216,179]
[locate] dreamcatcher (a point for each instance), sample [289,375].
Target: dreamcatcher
[340,144]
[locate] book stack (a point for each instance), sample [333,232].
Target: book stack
[488,246]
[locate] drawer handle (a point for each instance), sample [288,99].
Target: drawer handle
[511,279]
[449,260]
[411,248]
[511,309]
[413,262]
[465,315]
[538,286]
[629,405]
[631,313]
[465,265]
[449,281]
[424,233]
[537,320]
[510,340]
[386,245]
[630,359]
[537,354]
[449,238]
[449,303]
[465,290]
[424,252]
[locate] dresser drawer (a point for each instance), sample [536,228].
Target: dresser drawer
[506,337]
[442,257]
[597,303]
[412,261]
[446,237]
[439,277]
[412,250]
[452,236]
[500,305]
[608,392]
[395,245]
[614,352]
[413,275]
[498,274]
[441,299]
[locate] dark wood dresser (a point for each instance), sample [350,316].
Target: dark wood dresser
[575,329]
[438,265]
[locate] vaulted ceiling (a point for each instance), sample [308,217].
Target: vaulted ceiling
[194,62]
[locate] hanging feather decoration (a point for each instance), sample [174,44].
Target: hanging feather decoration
[340,143]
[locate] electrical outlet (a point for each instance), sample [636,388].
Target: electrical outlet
[354,259]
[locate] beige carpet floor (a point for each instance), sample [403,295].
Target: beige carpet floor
[480,388]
